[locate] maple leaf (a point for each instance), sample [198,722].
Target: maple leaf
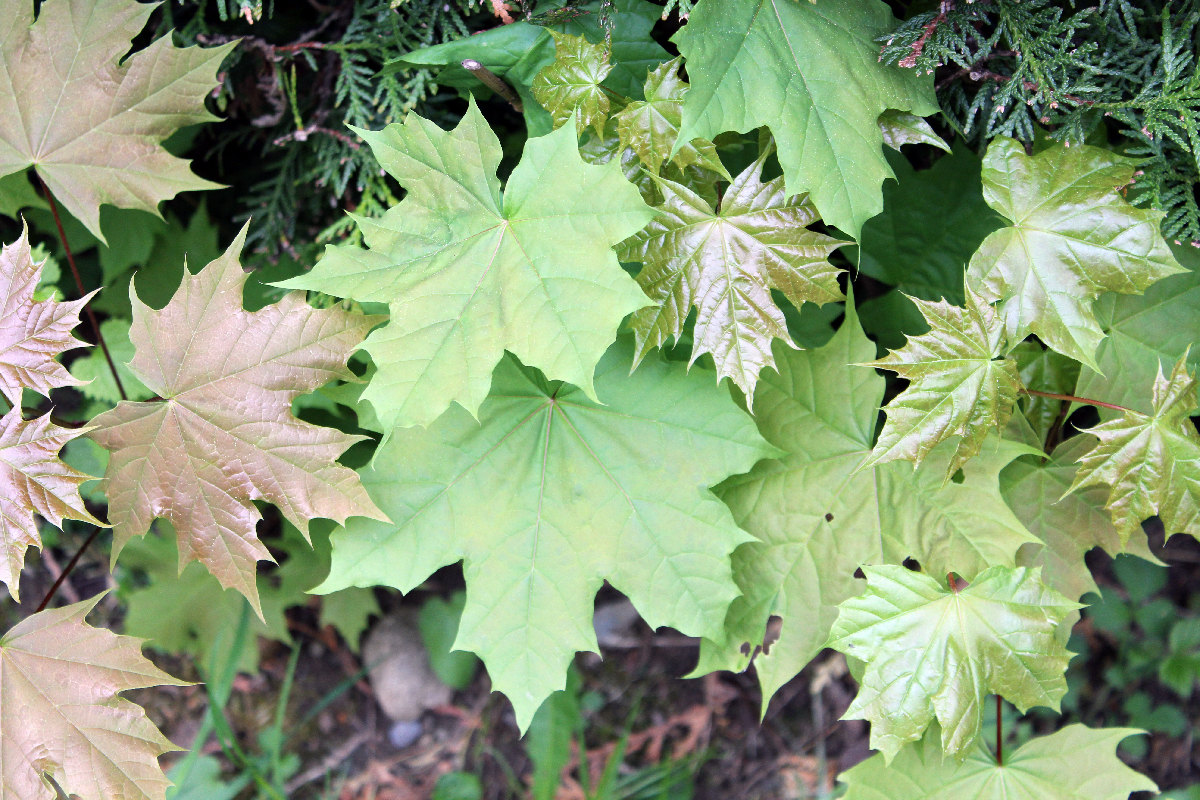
[469,273]
[60,713]
[549,494]
[1069,526]
[94,374]
[900,128]
[34,481]
[818,517]
[570,86]
[725,262]
[936,652]
[1044,370]
[811,72]
[33,332]
[1072,237]
[1075,763]
[89,122]
[1150,462]
[650,127]
[960,386]
[223,434]
[1143,331]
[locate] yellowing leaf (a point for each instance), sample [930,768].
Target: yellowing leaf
[933,652]
[818,517]
[34,481]
[223,434]
[469,273]
[572,83]
[1072,238]
[1150,462]
[32,332]
[810,72]
[1075,763]
[60,713]
[548,495]
[961,385]
[651,126]
[726,262]
[89,123]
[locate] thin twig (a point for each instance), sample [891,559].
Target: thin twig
[494,82]
[112,365]
[67,570]
[1073,399]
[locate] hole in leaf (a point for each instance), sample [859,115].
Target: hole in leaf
[958,476]
[912,564]
[828,517]
[858,573]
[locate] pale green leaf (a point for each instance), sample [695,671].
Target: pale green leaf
[811,72]
[1150,462]
[1075,763]
[1044,370]
[651,126]
[937,652]
[1145,331]
[900,128]
[570,86]
[818,518]
[961,384]
[1069,526]
[16,193]
[94,368]
[548,495]
[1072,237]
[469,273]
[725,262]
[89,122]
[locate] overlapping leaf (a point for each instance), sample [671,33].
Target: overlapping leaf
[818,517]
[900,128]
[570,86]
[811,72]
[725,262]
[1144,331]
[32,332]
[1075,763]
[961,384]
[93,368]
[89,122]
[548,495]
[651,126]
[61,713]
[937,652]
[1069,526]
[33,481]
[1044,370]
[1072,238]
[1150,462]
[469,273]
[223,434]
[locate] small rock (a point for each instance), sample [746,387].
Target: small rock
[403,682]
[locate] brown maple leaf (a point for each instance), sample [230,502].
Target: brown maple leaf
[223,434]
[32,332]
[33,480]
[90,122]
[60,713]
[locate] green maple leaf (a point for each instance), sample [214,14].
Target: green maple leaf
[469,273]
[570,86]
[1142,332]
[197,458]
[933,652]
[810,72]
[818,517]
[1069,526]
[961,384]
[1150,462]
[1044,370]
[61,713]
[725,262]
[1075,763]
[1072,238]
[900,128]
[549,494]
[89,122]
[651,126]
[93,368]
